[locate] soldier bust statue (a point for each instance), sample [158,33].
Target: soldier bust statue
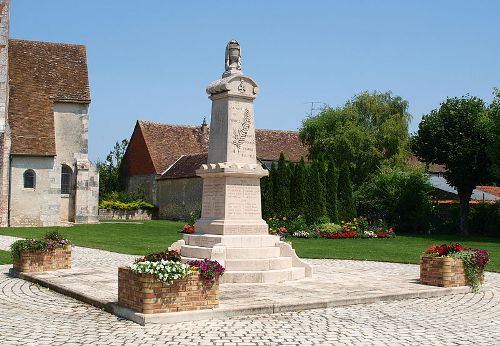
[233,58]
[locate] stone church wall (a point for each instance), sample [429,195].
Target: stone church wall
[4,97]
[39,206]
[178,197]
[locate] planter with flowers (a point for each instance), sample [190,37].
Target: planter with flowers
[452,266]
[51,252]
[161,283]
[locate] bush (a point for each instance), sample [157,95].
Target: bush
[401,198]
[117,205]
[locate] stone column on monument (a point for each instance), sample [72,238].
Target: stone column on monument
[231,229]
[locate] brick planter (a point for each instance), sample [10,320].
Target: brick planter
[444,272]
[144,293]
[42,261]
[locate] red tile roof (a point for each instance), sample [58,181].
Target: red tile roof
[41,73]
[167,143]
[185,166]
[493,190]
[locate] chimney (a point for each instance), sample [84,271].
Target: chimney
[204,126]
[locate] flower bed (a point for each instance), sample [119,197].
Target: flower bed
[452,266]
[51,252]
[357,228]
[160,283]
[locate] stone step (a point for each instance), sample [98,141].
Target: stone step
[197,252]
[252,252]
[258,264]
[268,276]
[209,240]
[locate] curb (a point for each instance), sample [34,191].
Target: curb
[226,312]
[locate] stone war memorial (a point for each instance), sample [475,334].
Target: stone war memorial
[231,229]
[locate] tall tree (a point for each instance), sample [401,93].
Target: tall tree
[332,179]
[298,189]
[346,206]
[315,199]
[455,135]
[273,181]
[282,205]
[368,131]
[493,147]
[109,170]
[266,187]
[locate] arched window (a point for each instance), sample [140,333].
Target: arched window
[66,179]
[29,178]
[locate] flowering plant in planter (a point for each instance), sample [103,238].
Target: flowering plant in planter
[167,255]
[474,260]
[209,270]
[163,270]
[188,229]
[49,242]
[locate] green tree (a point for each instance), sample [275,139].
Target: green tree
[266,187]
[282,205]
[332,179]
[315,199]
[402,198]
[346,206]
[273,177]
[298,189]
[368,131]
[493,147]
[109,170]
[455,135]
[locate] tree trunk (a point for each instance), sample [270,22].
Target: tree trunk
[464,213]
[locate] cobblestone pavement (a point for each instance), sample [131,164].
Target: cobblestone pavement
[32,315]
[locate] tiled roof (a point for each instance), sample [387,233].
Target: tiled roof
[41,73]
[185,166]
[271,143]
[167,143]
[492,190]
[432,168]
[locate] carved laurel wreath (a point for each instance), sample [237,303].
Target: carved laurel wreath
[239,135]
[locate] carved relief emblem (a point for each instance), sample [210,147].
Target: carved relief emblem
[241,87]
[240,134]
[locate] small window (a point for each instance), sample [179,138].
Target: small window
[66,180]
[29,179]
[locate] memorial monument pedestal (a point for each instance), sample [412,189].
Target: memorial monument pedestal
[231,229]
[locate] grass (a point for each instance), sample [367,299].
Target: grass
[5,257]
[157,235]
[402,249]
[127,238]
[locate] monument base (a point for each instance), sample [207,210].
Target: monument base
[247,258]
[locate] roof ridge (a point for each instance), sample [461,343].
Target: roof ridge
[46,42]
[167,124]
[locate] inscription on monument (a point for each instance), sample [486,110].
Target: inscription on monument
[213,199]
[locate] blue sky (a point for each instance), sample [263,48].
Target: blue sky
[152,59]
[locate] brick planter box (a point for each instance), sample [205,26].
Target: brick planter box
[443,271]
[146,294]
[42,261]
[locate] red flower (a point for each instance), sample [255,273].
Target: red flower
[457,247]
[443,250]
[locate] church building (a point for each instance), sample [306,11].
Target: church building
[46,178]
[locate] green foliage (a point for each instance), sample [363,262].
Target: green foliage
[109,169]
[346,206]
[315,198]
[266,187]
[493,147]
[470,267]
[298,189]
[368,131]
[54,236]
[121,196]
[167,255]
[332,179]
[282,187]
[139,204]
[402,198]
[330,227]
[456,135]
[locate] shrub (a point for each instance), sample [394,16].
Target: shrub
[402,198]
[44,244]
[167,255]
[117,205]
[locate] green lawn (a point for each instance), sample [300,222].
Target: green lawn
[402,249]
[129,238]
[152,236]
[5,257]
